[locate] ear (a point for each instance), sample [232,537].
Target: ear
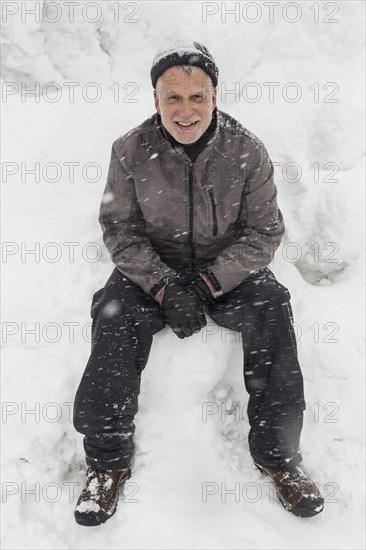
[156,101]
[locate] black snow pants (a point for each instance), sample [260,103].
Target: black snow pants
[125,318]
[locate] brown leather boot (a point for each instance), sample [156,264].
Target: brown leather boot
[99,498]
[296,491]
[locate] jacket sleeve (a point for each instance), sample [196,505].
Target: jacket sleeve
[262,226]
[123,224]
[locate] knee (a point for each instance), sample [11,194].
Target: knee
[280,293]
[110,307]
[270,293]
[108,300]
[105,304]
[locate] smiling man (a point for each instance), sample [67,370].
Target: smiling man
[190,218]
[185,100]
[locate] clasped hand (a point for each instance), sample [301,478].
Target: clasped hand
[183,309]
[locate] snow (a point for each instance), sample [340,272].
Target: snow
[180,47]
[88,507]
[193,483]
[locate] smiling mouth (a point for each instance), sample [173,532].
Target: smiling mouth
[186,124]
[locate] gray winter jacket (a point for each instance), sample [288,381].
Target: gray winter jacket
[161,213]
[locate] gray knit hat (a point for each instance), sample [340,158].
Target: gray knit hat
[183,52]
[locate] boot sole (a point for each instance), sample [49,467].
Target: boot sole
[92,520]
[89,519]
[301,509]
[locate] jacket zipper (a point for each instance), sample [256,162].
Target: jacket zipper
[190,202]
[214,214]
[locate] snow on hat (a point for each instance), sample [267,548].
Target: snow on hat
[182,52]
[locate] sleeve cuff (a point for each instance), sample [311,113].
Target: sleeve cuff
[157,291]
[212,283]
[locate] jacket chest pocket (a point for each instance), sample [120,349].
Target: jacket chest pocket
[223,183]
[225,207]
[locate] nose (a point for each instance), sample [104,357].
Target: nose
[186,109]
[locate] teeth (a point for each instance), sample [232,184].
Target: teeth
[186,124]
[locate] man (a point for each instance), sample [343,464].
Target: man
[190,218]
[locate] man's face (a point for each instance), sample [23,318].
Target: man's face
[185,102]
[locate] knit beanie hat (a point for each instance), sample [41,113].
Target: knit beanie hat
[182,52]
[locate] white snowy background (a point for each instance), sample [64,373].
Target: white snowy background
[320,260]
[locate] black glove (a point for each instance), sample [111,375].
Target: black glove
[203,292]
[183,309]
